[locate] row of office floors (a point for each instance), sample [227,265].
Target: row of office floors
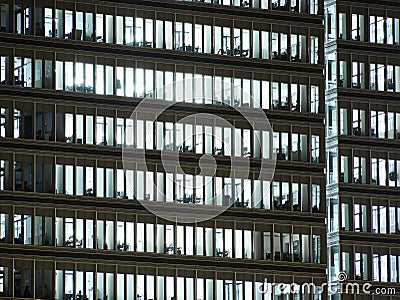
[106,280]
[128,253]
[156,27]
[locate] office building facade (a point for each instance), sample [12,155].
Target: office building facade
[362,92]
[71,226]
